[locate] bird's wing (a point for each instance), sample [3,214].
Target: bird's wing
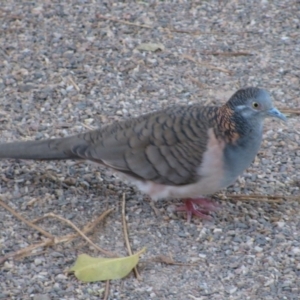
[165,147]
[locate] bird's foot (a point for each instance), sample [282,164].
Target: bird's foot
[200,207]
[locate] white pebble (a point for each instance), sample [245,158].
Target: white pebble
[258,249]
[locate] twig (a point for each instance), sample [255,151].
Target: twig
[192,32]
[208,66]
[55,240]
[258,197]
[290,111]
[80,233]
[106,290]
[74,84]
[21,252]
[240,53]
[169,261]
[87,126]
[197,82]
[137,275]
[91,226]
[87,228]
[152,205]
[30,224]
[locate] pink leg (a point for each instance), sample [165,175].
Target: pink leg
[200,207]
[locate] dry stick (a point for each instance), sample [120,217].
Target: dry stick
[255,197]
[81,233]
[106,290]
[197,82]
[87,228]
[18,216]
[74,84]
[193,32]
[206,65]
[55,240]
[258,197]
[170,261]
[87,126]
[241,53]
[137,275]
[25,251]
[290,111]
[90,226]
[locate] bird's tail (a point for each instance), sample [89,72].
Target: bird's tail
[52,149]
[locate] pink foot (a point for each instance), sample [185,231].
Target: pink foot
[200,207]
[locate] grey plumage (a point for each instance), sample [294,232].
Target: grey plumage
[165,147]
[182,151]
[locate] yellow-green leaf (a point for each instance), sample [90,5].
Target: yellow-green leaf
[151,47]
[90,269]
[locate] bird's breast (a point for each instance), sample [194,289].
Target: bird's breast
[239,156]
[211,170]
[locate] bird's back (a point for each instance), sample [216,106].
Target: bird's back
[165,147]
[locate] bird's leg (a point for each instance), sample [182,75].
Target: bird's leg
[200,207]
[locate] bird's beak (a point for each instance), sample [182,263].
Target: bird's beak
[274,112]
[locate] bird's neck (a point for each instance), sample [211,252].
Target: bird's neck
[233,127]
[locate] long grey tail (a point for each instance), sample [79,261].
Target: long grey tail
[52,149]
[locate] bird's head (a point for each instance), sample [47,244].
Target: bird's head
[254,104]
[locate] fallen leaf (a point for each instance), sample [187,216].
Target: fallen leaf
[151,47]
[90,269]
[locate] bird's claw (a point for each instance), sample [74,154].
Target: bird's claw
[199,207]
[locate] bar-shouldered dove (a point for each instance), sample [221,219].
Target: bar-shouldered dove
[179,152]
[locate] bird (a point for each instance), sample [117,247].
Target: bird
[187,152]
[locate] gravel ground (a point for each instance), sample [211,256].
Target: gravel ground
[66,67]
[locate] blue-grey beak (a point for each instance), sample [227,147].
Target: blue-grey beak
[274,112]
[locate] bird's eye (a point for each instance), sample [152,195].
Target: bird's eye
[255,105]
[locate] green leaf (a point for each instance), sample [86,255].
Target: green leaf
[90,269]
[151,47]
